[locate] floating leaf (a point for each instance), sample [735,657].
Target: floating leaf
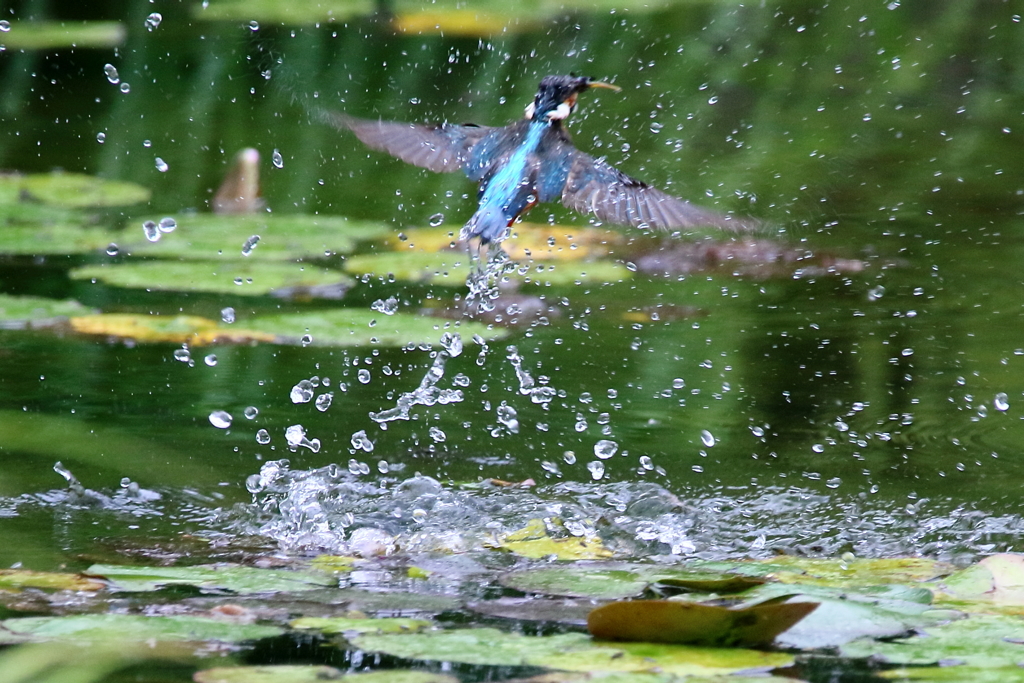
[129,628]
[241,278]
[528,241]
[177,329]
[18,579]
[18,312]
[666,621]
[956,674]
[358,626]
[61,238]
[224,577]
[534,542]
[394,603]
[462,22]
[309,673]
[855,571]
[996,581]
[49,35]
[988,640]
[566,612]
[333,564]
[568,652]
[711,582]
[282,237]
[78,190]
[360,327]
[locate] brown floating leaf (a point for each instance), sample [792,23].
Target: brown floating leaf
[667,621]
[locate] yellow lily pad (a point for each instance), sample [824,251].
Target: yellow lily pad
[528,241]
[534,542]
[854,571]
[18,579]
[996,581]
[333,564]
[461,22]
[178,329]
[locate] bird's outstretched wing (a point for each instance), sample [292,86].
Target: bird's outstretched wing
[443,147]
[595,187]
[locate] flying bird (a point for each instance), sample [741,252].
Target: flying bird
[530,161]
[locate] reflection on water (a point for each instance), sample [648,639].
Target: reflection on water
[867,401]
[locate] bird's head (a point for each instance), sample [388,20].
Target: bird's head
[556,96]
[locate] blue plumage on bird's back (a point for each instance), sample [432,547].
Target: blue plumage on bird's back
[507,193]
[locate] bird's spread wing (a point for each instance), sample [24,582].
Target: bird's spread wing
[595,187]
[443,147]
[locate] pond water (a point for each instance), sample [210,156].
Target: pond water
[852,383]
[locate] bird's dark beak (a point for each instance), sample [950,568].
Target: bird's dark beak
[602,84]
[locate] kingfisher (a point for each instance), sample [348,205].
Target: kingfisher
[530,161]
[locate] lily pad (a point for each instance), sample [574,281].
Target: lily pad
[359,626]
[855,571]
[955,674]
[77,190]
[18,579]
[453,268]
[225,577]
[59,238]
[359,327]
[18,312]
[534,542]
[989,641]
[299,673]
[665,621]
[333,564]
[177,329]
[567,652]
[129,628]
[527,241]
[49,35]
[240,278]
[281,237]
[566,612]
[997,582]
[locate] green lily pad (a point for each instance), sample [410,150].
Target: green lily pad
[567,652]
[357,626]
[989,641]
[647,677]
[359,327]
[18,579]
[997,581]
[666,621]
[453,268]
[226,577]
[620,580]
[17,312]
[567,612]
[299,673]
[956,674]
[855,571]
[60,238]
[49,35]
[129,628]
[281,237]
[241,278]
[76,190]
[393,603]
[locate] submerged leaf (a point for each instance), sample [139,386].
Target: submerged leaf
[240,278]
[226,577]
[666,621]
[103,628]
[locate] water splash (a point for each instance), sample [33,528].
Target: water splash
[427,393]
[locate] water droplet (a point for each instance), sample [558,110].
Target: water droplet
[436,220]
[302,392]
[125,88]
[153,20]
[757,431]
[251,412]
[161,165]
[834,482]
[151,231]
[182,355]
[596,469]
[101,137]
[227,315]
[818,448]
[386,306]
[508,416]
[5,26]
[277,159]
[646,462]
[383,467]
[1001,402]
[323,401]
[707,438]
[678,383]
[907,352]
[111,73]
[220,419]
[112,249]
[876,293]
[569,457]
[437,435]
[360,442]
[263,437]
[147,143]
[363,376]
[605,449]
[306,340]
[167,224]
[210,360]
[254,26]
[452,343]
[250,244]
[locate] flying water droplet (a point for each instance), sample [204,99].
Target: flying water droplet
[153,20]
[361,443]
[569,457]
[306,340]
[161,165]
[386,306]
[227,315]
[220,419]
[605,448]
[277,159]
[254,26]
[323,401]
[452,343]
[112,249]
[182,355]
[436,220]
[5,26]
[363,376]
[646,462]
[596,469]
[302,392]
[1001,402]
[125,88]
[263,437]
[437,435]
[151,231]
[167,224]
[251,412]
[111,73]
[250,244]
[508,416]
[707,438]
[295,435]
[210,360]
[101,137]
